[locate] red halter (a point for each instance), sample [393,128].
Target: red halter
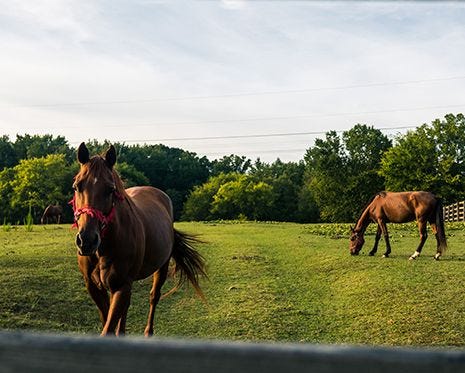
[105,220]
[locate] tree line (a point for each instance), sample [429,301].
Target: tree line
[332,183]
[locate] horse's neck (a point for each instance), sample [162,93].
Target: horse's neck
[363,221]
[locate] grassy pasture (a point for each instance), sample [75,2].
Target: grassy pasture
[274,282]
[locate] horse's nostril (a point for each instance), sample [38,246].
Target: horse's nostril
[96,240]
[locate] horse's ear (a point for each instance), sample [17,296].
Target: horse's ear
[352,229]
[83,154]
[110,156]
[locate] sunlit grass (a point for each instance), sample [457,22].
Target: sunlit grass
[273,282]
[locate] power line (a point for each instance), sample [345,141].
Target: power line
[261,135]
[242,94]
[261,152]
[259,119]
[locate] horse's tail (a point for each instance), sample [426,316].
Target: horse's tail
[189,263]
[441,233]
[44,215]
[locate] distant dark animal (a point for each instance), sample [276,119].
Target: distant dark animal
[402,207]
[52,213]
[124,236]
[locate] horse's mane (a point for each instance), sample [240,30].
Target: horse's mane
[380,194]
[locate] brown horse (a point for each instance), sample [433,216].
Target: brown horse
[124,236]
[402,207]
[52,212]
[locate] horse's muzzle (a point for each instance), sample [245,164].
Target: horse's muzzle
[87,243]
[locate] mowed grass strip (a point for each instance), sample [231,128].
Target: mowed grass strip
[267,282]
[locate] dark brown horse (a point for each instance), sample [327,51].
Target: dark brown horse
[402,207]
[52,212]
[124,236]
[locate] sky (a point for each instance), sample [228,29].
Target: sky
[261,79]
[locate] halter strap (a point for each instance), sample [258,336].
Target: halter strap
[105,220]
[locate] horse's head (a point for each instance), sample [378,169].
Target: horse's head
[356,241]
[94,198]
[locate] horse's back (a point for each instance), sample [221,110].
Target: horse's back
[147,198]
[155,211]
[399,207]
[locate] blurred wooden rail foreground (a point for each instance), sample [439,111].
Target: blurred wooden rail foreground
[22,352]
[454,212]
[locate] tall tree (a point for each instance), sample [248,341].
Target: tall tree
[173,170]
[199,202]
[38,146]
[38,182]
[341,172]
[230,163]
[431,158]
[286,179]
[8,157]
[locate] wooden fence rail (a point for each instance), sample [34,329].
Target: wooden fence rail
[21,352]
[454,212]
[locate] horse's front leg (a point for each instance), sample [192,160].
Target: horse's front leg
[423,236]
[98,294]
[377,238]
[119,304]
[385,233]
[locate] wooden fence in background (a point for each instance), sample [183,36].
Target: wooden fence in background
[454,212]
[23,352]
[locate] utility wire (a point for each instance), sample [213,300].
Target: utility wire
[259,119]
[243,94]
[261,135]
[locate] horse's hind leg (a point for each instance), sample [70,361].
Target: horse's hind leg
[377,238]
[159,279]
[434,229]
[423,237]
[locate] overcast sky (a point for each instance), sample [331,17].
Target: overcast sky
[204,75]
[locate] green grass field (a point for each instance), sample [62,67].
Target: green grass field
[268,282]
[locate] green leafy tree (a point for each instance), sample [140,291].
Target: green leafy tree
[8,157]
[131,175]
[199,202]
[230,196]
[38,182]
[6,189]
[342,172]
[286,179]
[230,163]
[173,170]
[37,146]
[429,158]
[326,166]
[243,198]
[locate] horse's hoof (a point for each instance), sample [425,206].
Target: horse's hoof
[437,257]
[412,257]
[385,256]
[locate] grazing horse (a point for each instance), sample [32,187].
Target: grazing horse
[402,207]
[50,212]
[124,236]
